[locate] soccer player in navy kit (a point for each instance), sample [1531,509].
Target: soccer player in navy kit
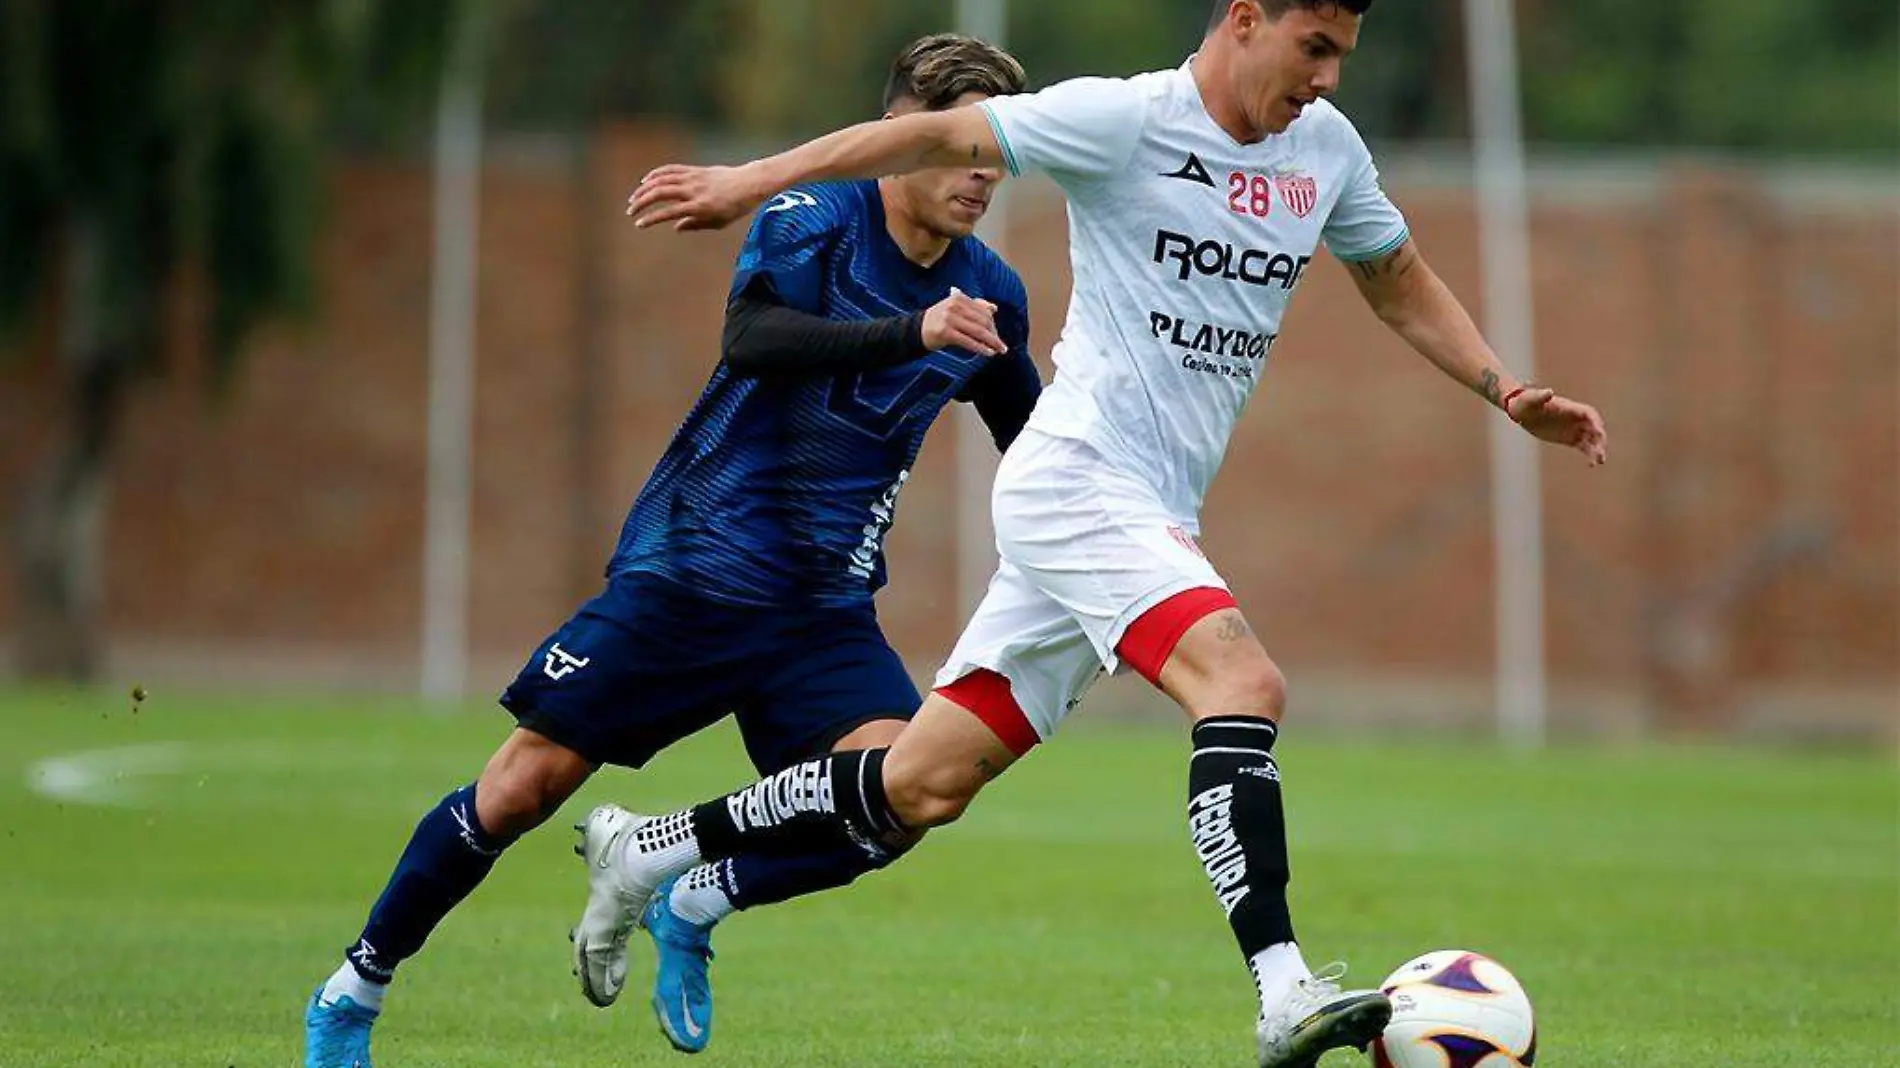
[742,583]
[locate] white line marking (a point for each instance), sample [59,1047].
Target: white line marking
[105,776]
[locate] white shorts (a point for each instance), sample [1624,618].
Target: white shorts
[1086,549]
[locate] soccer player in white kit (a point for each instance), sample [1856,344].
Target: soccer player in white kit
[1197,197]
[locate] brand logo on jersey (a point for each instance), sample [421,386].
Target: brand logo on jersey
[792,198]
[1218,259]
[560,663]
[883,514]
[1299,192]
[1192,171]
[1214,349]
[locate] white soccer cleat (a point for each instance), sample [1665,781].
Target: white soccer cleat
[615,900]
[1317,1016]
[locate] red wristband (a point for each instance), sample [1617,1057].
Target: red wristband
[1506,402]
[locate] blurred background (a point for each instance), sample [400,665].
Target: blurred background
[328,361]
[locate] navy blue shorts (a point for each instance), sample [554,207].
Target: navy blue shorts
[648,662]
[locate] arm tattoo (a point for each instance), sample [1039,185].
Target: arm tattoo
[1232,629]
[1392,267]
[987,769]
[1488,386]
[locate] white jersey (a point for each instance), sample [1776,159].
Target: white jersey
[1185,246]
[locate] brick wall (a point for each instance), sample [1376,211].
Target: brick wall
[1738,563]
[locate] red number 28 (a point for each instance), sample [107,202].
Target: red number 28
[1249,196]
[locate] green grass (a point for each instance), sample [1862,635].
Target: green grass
[1664,906]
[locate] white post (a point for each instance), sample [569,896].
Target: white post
[1516,497]
[976,453]
[458,149]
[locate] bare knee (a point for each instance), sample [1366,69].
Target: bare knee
[1252,686]
[1260,690]
[931,798]
[940,762]
[526,780]
[1218,668]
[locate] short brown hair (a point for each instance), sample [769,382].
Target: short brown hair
[936,70]
[1276,8]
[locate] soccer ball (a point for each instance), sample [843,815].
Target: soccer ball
[1455,1009]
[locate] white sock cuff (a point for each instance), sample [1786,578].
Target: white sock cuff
[348,982]
[700,895]
[1275,970]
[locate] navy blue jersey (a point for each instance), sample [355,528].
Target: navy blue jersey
[779,489]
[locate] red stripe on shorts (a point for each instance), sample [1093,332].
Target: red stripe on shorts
[985,694]
[1151,638]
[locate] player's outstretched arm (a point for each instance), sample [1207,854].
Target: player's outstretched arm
[707,198]
[1411,299]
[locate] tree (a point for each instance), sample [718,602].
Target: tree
[1755,75]
[141,143]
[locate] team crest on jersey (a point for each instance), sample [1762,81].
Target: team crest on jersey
[1299,192]
[1186,541]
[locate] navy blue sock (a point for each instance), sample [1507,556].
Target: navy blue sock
[448,855]
[751,879]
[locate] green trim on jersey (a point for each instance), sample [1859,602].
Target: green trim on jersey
[1009,156]
[1385,249]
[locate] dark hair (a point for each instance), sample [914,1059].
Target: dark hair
[1276,8]
[936,70]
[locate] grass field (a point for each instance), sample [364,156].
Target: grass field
[1665,907]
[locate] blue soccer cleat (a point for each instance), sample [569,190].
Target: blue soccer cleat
[682,990]
[336,1034]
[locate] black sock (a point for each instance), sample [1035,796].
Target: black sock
[754,879]
[448,855]
[1239,826]
[822,805]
